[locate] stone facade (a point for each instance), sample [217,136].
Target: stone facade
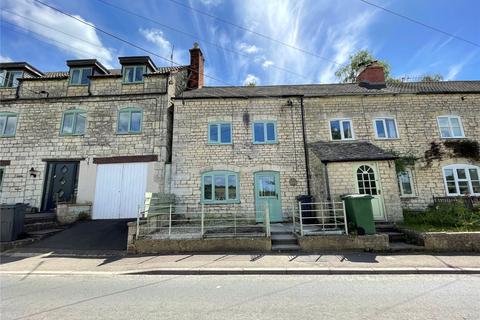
[38,137]
[193,155]
[416,118]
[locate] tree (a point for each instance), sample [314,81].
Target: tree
[431,78]
[350,72]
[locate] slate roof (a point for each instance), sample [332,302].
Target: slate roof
[348,151]
[339,89]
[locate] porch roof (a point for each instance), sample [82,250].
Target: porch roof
[349,151]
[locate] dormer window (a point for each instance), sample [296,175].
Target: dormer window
[79,76]
[9,78]
[133,74]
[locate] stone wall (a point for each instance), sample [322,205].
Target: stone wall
[445,241]
[192,155]
[376,242]
[68,213]
[416,117]
[38,135]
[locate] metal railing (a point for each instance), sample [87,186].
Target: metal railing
[318,218]
[186,222]
[469,201]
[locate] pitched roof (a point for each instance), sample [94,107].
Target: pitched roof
[349,151]
[339,89]
[162,70]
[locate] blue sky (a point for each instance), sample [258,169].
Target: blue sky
[332,30]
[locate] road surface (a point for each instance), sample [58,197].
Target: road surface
[240,297]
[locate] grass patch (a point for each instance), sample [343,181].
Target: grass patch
[451,217]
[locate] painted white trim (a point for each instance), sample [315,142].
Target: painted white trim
[385,127]
[454,167]
[341,129]
[450,126]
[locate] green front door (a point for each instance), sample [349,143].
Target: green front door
[267,192]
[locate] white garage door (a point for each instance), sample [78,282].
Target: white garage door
[120,190]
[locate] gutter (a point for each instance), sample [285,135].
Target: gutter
[305,146]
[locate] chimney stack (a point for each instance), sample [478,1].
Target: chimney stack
[372,75]
[195,79]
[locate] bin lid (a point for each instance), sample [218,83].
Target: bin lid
[365,196]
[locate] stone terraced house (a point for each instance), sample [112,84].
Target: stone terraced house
[107,136]
[88,135]
[402,143]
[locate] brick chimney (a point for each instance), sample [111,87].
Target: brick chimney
[195,79]
[372,75]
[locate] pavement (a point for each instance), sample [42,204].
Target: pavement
[18,262]
[240,297]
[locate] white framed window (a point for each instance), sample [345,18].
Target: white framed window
[461,179]
[133,74]
[79,76]
[341,129]
[386,128]
[450,127]
[9,78]
[405,182]
[8,124]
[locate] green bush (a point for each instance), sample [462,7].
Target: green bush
[444,217]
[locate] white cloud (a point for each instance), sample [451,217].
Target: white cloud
[163,47]
[213,3]
[267,63]
[248,48]
[251,79]
[5,59]
[91,47]
[455,69]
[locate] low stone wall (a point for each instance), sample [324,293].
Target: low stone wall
[446,241]
[69,213]
[375,242]
[252,244]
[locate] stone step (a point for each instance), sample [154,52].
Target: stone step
[395,236]
[39,226]
[40,234]
[40,217]
[286,247]
[405,247]
[384,227]
[284,241]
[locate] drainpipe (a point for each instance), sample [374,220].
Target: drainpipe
[305,148]
[327,180]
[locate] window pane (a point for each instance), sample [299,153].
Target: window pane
[449,175]
[267,186]
[75,76]
[457,132]
[391,129]
[207,188]
[259,135]
[445,132]
[335,129]
[15,76]
[123,120]
[476,186]
[138,74]
[473,174]
[463,186]
[136,122]
[128,77]
[270,132]
[443,122]
[85,74]
[11,125]
[225,134]
[68,123]
[461,174]
[405,182]
[380,128]
[451,187]
[454,122]
[80,123]
[232,187]
[3,120]
[347,130]
[214,132]
[220,188]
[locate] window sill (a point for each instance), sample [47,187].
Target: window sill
[453,138]
[128,133]
[7,136]
[387,139]
[260,143]
[219,144]
[220,203]
[78,85]
[127,83]
[71,134]
[342,140]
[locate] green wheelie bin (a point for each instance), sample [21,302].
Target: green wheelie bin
[360,212]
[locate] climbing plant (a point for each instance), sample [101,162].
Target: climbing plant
[464,148]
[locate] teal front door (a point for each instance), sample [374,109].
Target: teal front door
[267,192]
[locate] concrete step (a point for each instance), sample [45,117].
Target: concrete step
[405,247]
[40,234]
[395,236]
[40,217]
[39,226]
[386,227]
[286,247]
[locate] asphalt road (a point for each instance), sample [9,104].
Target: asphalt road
[240,297]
